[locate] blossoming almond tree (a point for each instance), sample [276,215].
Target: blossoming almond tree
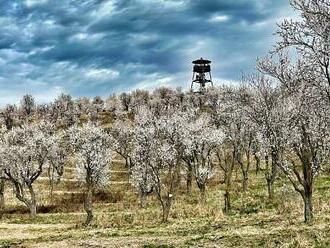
[143,152]
[58,157]
[305,82]
[266,109]
[62,111]
[309,38]
[24,153]
[27,105]
[201,145]
[122,133]
[239,132]
[159,152]
[172,134]
[308,146]
[226,159]
[93,160]
[305,126]
[224,107]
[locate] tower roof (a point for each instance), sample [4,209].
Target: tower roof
[201,61]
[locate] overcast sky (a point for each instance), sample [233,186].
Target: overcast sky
[100,47]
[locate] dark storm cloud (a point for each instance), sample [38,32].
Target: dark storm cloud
[97,47]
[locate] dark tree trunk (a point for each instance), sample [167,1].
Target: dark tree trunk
[257,159]
[245,175]
[270,189]
[306,160]
[166,195]
[227,201]
[88,205]
[2,196]
[33,202]
[143,200]
[166,212]
[33,210]
[271,175]
[245,180]
[189,179]
[306,180]
[229,167]
[244,169]
[227,191]
[30,203]
[166,209]
[308,187]
[51,172]
[308,208]
[202,190]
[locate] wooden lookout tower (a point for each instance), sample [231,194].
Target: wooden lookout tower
[201,75]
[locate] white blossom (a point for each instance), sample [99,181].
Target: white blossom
[93,154]
[23,155]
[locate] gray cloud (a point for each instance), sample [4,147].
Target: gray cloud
[98,47]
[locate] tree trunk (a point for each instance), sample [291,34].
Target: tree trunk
[308,210]
[33,203]
[257,159]
[245,180]
[270,189]
[2,196]
[88,205]
[245,171]
[170,186]
[271,175]
[143,200]
[227,201]
[202,189]
[189,179]
[228,175]
[166,209]
[51,182]
[228,186]
[33,210]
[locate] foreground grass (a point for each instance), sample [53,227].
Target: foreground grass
[253,222]
[251,231]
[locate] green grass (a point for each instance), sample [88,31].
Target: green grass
[254,221]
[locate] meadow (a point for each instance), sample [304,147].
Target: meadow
[254,221]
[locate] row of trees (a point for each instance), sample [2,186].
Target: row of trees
[32,149]
[257,123]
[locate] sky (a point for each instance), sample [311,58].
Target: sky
[101,47]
